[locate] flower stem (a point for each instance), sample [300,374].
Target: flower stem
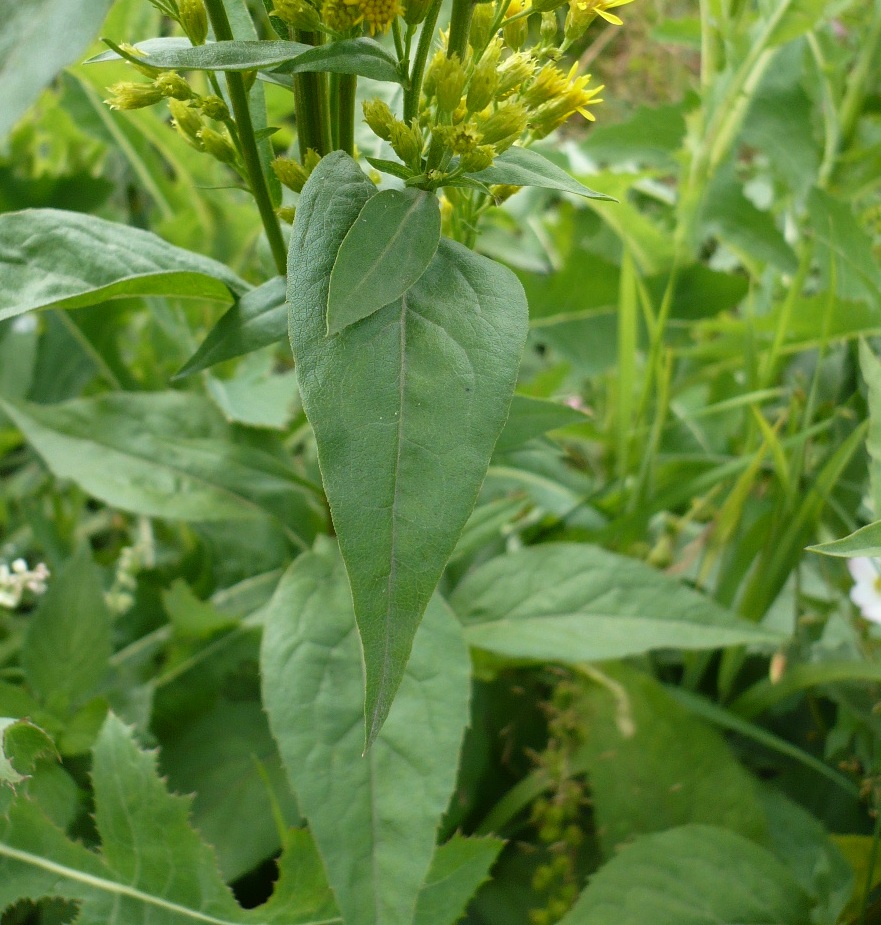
[238,96]
[460,28]
[348,84]
[312,104]
[412,94]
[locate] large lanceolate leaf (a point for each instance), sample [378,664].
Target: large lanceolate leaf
[163,454]
[692,875]
[406,406]
[863,542]
[374,815]
[37,39]
[570,602]
[55,259]
[525,167]
[153,868]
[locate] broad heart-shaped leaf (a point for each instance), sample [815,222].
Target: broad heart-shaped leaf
[571,602]
[692,875]
[164,454]
[532,417]
[524,167]
[153,868]
[55,259]
[37,39]
[361,56]
[259,318]
[406,407]
[384,253]
[374,816]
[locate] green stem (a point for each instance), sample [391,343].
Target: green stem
[348,84]
[460,28]
[859,79]
[411,95]
[399,39]
[312,104]
[238,96]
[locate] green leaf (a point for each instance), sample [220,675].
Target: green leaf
[67,646]
[692,875]
[403,452]
[153,868]
[55,259]
[863,542]
[458,868]
[870,367]
[525,167]
[37,39]
[793,19]
[532,417]
[653,766]
[375,817]
[361,56]
[568,602]
[164,454]
[21,744]
[259,318]
[650,136]
[387,249]
[256,396]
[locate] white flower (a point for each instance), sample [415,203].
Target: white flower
[15,581]
[866,592]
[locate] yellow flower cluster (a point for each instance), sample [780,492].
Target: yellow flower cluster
[377,15]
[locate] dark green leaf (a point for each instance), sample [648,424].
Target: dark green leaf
[525,167]
[568,602]
[532,417]
[390,167]
[402,451]
[259,318]
[55,259]
[37,39]
[384,253]
[21,744]
[375,816]
[692,875]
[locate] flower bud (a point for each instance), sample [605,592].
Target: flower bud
[478,159]
[460,139]
[313,158]
[187,122]
[513,71]
[218,146]
[379,117]
[297,13]
[406,142]
[133,96]
[214,108]
[415,11]
[338,15]
[481,24]
[484,81]
[194,19]
[171,84]
[146,69]
[290,173]
[579,17]
[449,81]
[516,33]
[503,127]
[503,192]
[549,28]
[547,6]
[287,214]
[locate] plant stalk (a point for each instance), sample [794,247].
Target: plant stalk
[413,92]
[238,96]
[460,28]
[348,84]
[312,104]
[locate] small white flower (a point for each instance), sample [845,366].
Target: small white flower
[866,592]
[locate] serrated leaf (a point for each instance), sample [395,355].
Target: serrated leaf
[377,845]
[164,454]
[37,39]
[532,417]
[21,744]
[258,319]
[570,602]
[387,249]
[361,56]
[691,875]
[458,868]
[525,167]
[153,868]
[67,646]
[55,259]
[402,454]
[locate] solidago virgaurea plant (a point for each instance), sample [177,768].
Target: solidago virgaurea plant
[406,342]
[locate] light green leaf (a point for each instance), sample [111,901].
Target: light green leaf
[532,417]
[153,868]
[692,875]
[256,396]
[258,319]
[67,645]
[164,454]
[525,167]
[361,56]
[870,367]
[37,39]
[55,259]
[793,19]
[21,744]
[652,765]
[402,454]
[458,868]
[387,249]
[863,542]
[375,816]
[569,602]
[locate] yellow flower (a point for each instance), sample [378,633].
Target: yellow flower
[377,14]
[600,8]
[570,95]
